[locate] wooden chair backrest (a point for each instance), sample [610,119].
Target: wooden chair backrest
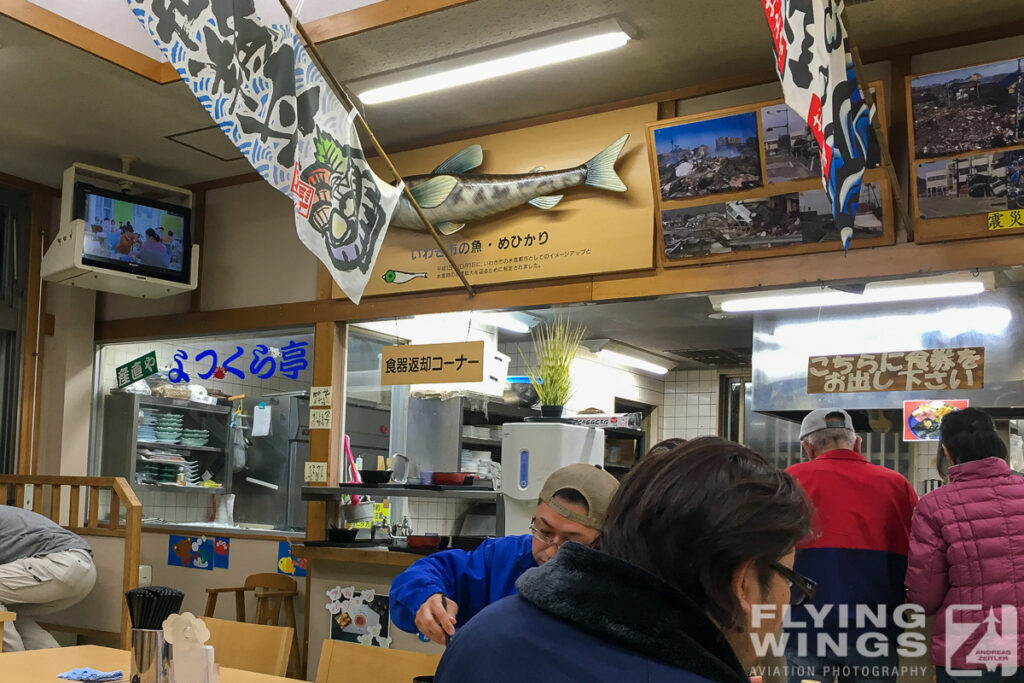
[342,662]
[269,581]
[97,514]
[250,647]
[271,592]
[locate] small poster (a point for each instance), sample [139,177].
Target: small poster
[140,368]
[196,552]
[922,419]
[319,418]
[320,397]
[286,563]
[359,616]
[221,552]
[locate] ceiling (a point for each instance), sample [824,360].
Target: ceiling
[62,104]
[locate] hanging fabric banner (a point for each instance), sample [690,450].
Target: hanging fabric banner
[259,84]
[818,82]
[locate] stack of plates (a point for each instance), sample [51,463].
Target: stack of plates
[168,427]
[478,431]
[195,437]
[147,424]
[167,473]
[473,461]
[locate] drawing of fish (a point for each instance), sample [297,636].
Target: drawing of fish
[400,277]
[450,197]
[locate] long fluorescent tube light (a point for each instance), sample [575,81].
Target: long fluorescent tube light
[874,293]
[610,37]
[509,322]
[631,361]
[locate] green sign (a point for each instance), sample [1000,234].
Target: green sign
[141,367]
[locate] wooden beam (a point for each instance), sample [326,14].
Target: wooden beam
[374,16]
[69,32]
[28,185]
[31,354]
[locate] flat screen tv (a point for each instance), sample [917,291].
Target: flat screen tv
[133,234]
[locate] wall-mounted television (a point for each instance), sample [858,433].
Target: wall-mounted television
[134,234]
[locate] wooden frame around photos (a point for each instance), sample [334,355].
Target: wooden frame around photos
[767,190]
[950,227]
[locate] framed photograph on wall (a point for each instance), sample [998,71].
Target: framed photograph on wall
[714,204]
[708,156]
[966,148]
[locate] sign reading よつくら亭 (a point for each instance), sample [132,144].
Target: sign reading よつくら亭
[927,369]
[432,363]
[140,368]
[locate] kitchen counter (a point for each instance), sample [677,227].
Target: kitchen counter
[214,529]
[378,555]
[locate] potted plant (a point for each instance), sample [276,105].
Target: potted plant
[555,344]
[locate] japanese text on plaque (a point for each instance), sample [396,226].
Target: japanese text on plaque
[928,369]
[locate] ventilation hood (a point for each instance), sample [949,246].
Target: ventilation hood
[783,341]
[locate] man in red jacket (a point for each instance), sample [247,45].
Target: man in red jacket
[858,556]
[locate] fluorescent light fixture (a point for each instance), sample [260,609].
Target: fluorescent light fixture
[617,353]
[532,53]
[874,293]
[511,321]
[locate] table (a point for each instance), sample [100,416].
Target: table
[42,666]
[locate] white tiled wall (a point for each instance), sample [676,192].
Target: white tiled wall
[690,404]
[173,506]
[434,515]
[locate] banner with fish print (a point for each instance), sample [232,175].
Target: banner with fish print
[818,82]
[259,84]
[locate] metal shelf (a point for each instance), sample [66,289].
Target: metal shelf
[334,493]
[473,441]
[181,404]
[182,489]
[157,444]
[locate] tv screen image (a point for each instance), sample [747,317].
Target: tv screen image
[134,235]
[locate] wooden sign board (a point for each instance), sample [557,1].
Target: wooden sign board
[925,370]
[432,363]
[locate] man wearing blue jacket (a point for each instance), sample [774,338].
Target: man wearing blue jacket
[427,596]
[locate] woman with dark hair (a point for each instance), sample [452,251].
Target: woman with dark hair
[695,564]
[153,252]
[965,541]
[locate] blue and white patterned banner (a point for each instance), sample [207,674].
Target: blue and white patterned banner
[259,84]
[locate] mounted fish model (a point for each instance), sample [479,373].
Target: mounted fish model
[450,197]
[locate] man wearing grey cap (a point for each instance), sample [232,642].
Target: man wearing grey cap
[858,556]
[446,588]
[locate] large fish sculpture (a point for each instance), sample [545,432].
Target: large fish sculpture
[450,197]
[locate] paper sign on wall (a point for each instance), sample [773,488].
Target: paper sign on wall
[261,420]
[196,552]
[362,617]
[320,396]
[319,418]
[432,363]
[287,563]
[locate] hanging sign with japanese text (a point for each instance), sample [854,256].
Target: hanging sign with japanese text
[928,369]
[140,368]
[432,363]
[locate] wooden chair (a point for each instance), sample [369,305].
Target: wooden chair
[342,662]
[273,591]
[250,647]
[5,617]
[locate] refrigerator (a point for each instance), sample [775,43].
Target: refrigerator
[267,485]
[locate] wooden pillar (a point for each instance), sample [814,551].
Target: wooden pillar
[898,134]
[32,351]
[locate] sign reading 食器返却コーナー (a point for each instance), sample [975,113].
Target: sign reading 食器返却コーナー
[927,369]
[432,363]
[140,368]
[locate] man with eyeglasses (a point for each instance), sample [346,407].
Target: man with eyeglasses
[449,588]
[858,557]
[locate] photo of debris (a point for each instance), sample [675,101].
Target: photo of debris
[782,220]
[968,109]
[969,185]
[708,157]
[790,150]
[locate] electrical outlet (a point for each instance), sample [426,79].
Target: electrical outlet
[316,472]
[145,575]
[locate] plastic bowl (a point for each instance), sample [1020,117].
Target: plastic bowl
[451,479]
[375,476]
[429,542]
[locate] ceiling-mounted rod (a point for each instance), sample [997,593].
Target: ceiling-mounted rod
[340,93]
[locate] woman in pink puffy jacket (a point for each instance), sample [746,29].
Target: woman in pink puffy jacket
[966,560]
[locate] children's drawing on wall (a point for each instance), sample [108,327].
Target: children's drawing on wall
[221,551]
[287,563]
[359,616]
[190,551]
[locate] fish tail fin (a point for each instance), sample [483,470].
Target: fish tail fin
[449,227]
[546,203]
[601,169]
